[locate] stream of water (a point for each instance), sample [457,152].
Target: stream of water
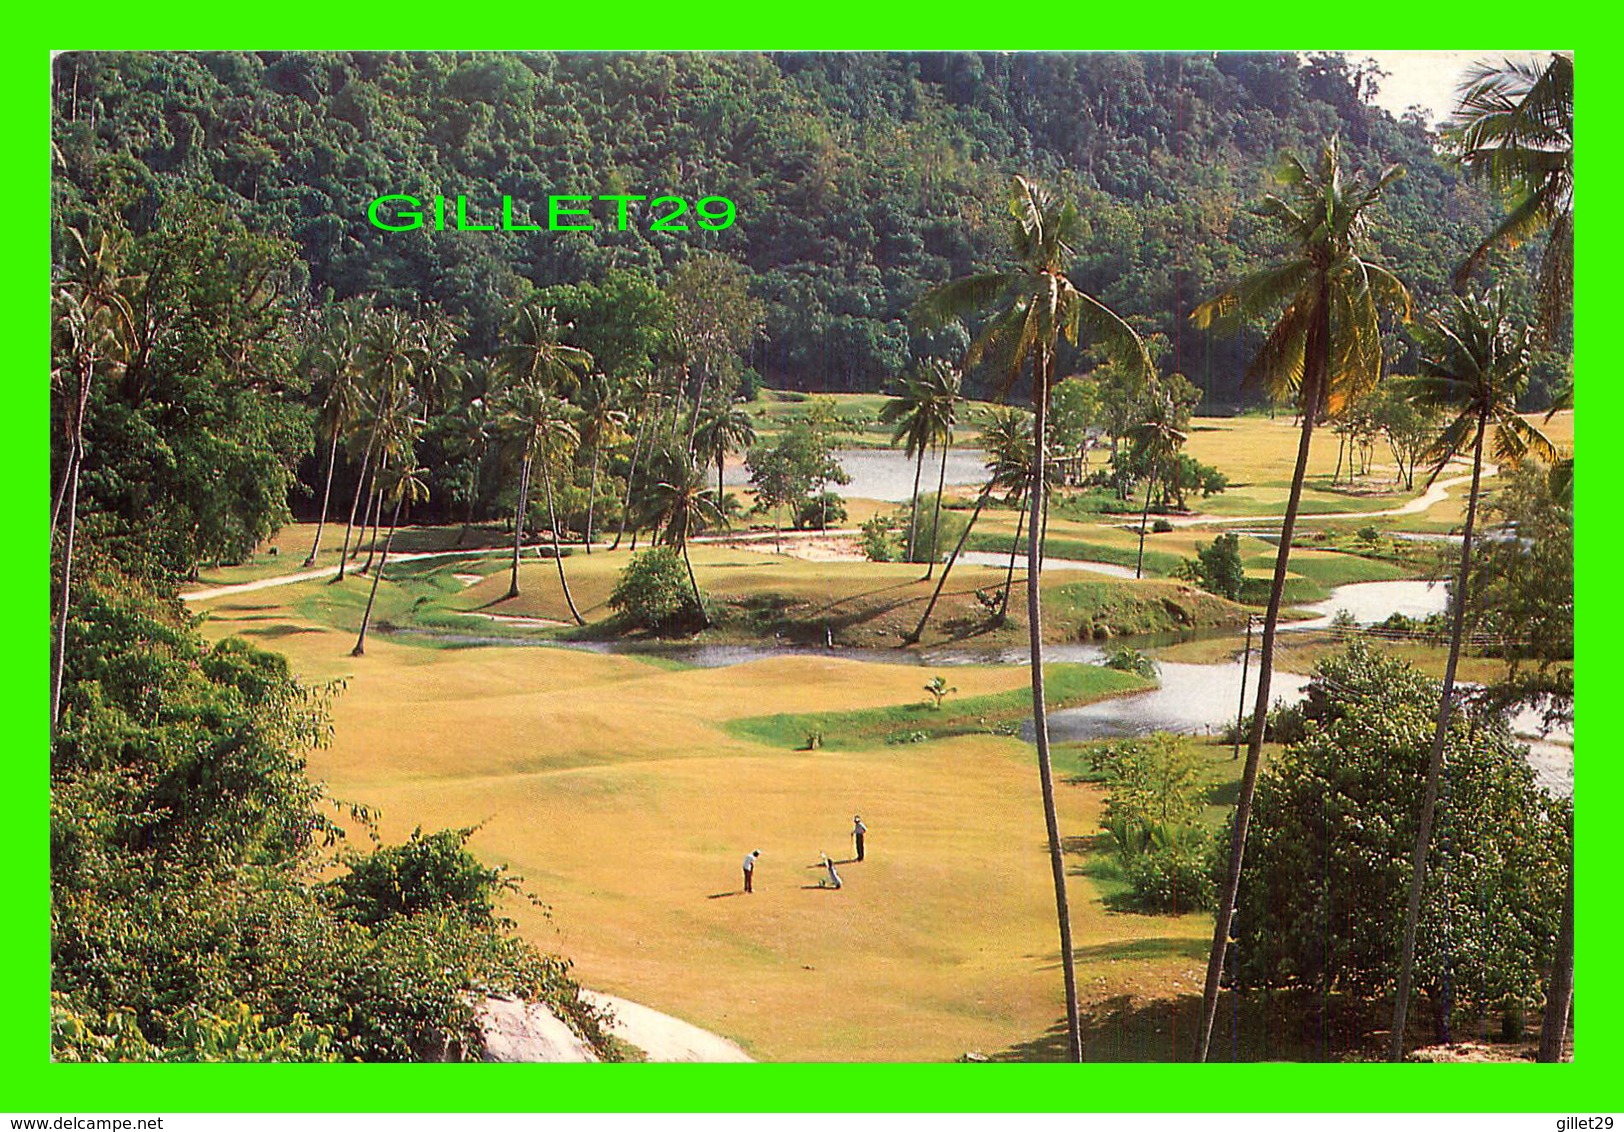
[1192,698]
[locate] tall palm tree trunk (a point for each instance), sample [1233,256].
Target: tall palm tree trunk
[699,602]
[1040,716]
[68,470]
[592,494]
[676,404]
[981,501]
[518,524]
[631,480]
[936,521]
[1144,520]
[1014,548]
[60,660]
[699,403]
[913,512]
[1316,349]
[1435,761]
[360,485]
[558,548]
[366,618]
[473,501]
[326,492]
[1553,1030]
[377,515]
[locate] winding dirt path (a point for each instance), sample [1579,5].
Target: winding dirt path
[1434,495]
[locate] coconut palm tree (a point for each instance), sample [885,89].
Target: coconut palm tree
[93,326]
[722,429]
[602,420]
[1475,365]
[540,422]
[1157,441]
[1033,304]
[642,395]
[406,484]
[921,419]
[1514,127]
[336,358]
[1006,438]
[389,355]
[536,364]
[944,383]
[472,431]
[1325,347]
[683,506]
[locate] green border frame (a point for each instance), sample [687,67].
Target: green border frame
[34,1084]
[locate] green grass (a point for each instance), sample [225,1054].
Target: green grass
[1156,562]
[1067,685]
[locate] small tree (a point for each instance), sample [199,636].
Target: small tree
[1219,567]
[653,589]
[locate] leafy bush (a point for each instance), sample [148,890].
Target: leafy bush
[952,526]
[1156,797]
[1125,659]
[425,874]
[820,512]
[1172,878]
[1285,723]
[653,590]
[879,544]
[1334,826]
[1218,567]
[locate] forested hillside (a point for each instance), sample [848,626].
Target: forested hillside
[860,179]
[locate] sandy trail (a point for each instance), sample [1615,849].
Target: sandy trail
[1434,495]
[663,1037]
[517,1031]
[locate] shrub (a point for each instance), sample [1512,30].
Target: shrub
[1127,659]
[1334,827]
[820,512]
[952,526]
[653,590]
[879,544]
[1219,567]
[1161,527]
[424,874]
[1172,878]
[1369,534]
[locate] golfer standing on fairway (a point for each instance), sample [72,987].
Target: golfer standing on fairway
[750,868]
[857,831]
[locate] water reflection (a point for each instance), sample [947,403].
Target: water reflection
[1193,698]
[888,474]
[1374,602]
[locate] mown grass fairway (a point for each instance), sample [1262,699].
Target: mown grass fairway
[625,789]
[625,794]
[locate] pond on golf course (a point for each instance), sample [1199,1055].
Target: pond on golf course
[887,474]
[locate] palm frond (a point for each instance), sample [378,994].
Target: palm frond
[941,305]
